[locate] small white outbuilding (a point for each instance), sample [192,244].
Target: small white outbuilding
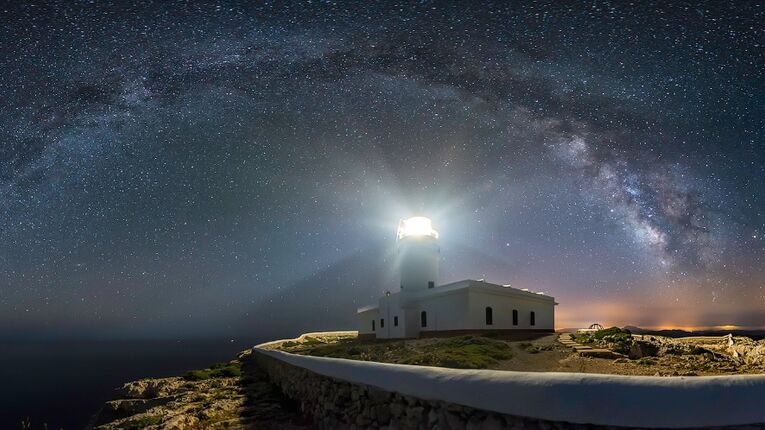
[422,308]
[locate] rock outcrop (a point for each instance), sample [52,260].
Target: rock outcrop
[746,350]
[178,403]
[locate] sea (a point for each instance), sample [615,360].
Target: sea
[60,385]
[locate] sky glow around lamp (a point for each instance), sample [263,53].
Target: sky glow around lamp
[416,226]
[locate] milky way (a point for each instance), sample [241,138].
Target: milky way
[178,169]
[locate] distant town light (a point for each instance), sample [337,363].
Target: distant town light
[416,226]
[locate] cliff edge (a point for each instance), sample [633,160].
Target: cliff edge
[233,395]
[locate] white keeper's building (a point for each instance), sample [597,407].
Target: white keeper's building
[422,308]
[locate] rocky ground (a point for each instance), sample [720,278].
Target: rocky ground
[204,399]
[687,356]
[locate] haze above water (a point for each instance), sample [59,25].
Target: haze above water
[62,384]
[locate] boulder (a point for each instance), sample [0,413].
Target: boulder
[747,350]
[641,348]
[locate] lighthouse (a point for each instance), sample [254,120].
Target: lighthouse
[418,254]
[423,308]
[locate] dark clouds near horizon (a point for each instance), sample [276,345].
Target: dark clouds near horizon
[178,168]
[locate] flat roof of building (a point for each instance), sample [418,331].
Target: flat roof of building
[471,284]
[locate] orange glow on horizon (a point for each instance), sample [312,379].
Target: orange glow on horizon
[655,313]
[677,327]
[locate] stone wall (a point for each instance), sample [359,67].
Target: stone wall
[336,404]
[364,394]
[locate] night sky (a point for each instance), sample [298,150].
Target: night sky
[238,169]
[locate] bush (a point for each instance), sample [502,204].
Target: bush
[613,332]
[310,340]
[196,375]
[219,370]
[582,338]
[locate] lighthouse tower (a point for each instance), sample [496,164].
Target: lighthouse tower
[453,308]
[418,254]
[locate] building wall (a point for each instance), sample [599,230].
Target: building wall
[364,322]
[460,310]
[390,308]
[447,312]
[412,318]
[502,311]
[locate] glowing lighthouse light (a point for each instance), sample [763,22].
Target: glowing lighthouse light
[416,226]
[418,253]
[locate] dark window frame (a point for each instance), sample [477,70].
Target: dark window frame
[382,322]
[423,319]
[431,284]
[395,321]
[489,315]
[533,318]
[515,316]
[373,325]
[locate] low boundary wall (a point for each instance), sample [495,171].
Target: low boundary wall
[348,393]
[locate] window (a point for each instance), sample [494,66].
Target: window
[423,319]
[395,321]
[515,316]
[382,322]
[489,316]
[533,319]
[431,284]
[373,325]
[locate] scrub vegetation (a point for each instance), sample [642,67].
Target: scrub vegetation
[219,370]
[636,354]
[463,352]
[612,333]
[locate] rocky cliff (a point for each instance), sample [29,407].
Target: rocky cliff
[234,395]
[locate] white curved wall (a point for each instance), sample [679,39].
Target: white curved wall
[633,401]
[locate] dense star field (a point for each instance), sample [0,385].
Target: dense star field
[189,168]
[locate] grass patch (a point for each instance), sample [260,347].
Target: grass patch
[310,340]
[463,352]
[219,370]
[143,422]
[384,351]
